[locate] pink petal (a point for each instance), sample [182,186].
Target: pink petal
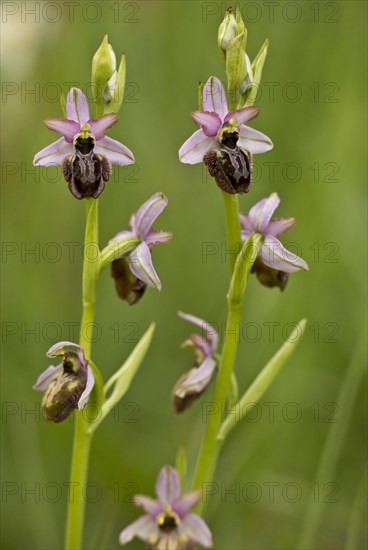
[210,122]
[76,106]
[197,379]
[253,141]
[142,528]
[185,503]
[87,390]
[158,237]
[278,257]
[58,349]
[246,225]
[100,125]
[148,213]
[63,126]
[116,152]
[214,97]
[152,507]
[243,115]
[212,335]
[261,213]
[277,226]
[48,375]
[201,343]
[196,529]
[140,263]
[54,153]
[193,150]
[168,485]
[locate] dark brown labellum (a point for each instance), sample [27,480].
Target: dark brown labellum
[128,286]
[63,393]
[230,165]
[270,277]
[86,172]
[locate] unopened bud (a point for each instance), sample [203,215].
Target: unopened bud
[227,30]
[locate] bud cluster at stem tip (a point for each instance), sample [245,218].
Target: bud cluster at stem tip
[108,82]
[243,76]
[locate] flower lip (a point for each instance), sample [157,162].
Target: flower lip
[68,385]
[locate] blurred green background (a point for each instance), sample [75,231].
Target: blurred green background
[312,106]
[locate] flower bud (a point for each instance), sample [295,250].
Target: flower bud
[103,69]
[227,30]
[64,391]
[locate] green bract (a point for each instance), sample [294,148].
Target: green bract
[107,82]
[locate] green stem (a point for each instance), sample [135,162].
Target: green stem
[83,439]
[232,227]
[210,448]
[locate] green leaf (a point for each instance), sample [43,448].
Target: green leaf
[244,261]
[181,467]
[257,68]
[263,381]
[117,249]
[121,380]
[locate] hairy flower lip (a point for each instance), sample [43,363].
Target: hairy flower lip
[151,528]
[52,372]
[77,112]
[215,113]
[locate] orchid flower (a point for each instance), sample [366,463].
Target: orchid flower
[168,522]
[77,115]
[213,118]
[134,272]
[193,383]
[84,152]
[66,386]
[274,261]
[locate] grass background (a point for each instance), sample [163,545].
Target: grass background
[312,106]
